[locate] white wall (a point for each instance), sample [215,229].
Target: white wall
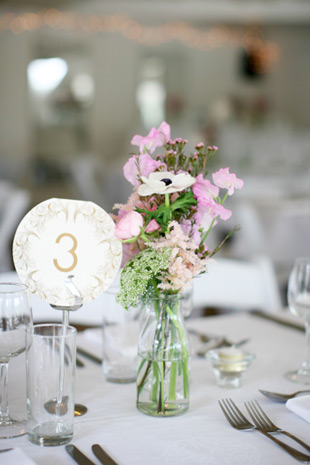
[15,134]
[201,77]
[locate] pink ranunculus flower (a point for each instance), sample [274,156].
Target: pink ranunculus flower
[139,165]
[155,138]
[129,226]
[203,189]
[226,180]
[152,226]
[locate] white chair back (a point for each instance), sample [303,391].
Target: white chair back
[237,285]
[14,203]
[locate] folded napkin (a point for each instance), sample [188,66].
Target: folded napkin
[300,406]
[14,457]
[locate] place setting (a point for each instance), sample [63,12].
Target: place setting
[101,393]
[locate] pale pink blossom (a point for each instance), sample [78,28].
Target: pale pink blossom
[129,226]
[155,138]
[139,165]
[191,230]
[204,219]
[226,180]
[184,263]
[203,189]
[130,250]
[214,209]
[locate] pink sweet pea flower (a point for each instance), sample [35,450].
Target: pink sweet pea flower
[226,180]
[203,189]
[155,138]
[214,209]
[139,165]
[204,219]
[152,226]
[129,226]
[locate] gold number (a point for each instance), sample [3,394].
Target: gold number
[71,251]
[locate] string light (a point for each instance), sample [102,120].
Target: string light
[190,36]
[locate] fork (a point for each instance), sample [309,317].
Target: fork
[240,422]
[255,410]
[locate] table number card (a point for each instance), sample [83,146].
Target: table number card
[62,238]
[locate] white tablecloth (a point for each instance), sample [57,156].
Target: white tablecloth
[200,436]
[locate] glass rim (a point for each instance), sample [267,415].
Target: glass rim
[16,287]
[214,356]
[32,330]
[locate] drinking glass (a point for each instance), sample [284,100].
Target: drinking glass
[120,339]
[15,317]
[50,356]
[299,304]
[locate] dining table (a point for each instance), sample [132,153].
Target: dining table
[202,435]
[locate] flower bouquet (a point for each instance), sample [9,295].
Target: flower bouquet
[164,227]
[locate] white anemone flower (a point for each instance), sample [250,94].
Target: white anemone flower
[163,182]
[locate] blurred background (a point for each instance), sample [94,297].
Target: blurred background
[79,78]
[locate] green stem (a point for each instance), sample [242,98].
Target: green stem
[161,397]
[174,364]
[167,205]
[144,377]
[155,381]
[167,200]
[224,198]
[204,237]
[207,233]
[173,378]
[184,351]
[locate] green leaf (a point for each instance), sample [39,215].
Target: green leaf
[164,214]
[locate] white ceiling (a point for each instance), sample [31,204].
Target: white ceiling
[203,11]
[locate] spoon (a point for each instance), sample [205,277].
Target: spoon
[278,397]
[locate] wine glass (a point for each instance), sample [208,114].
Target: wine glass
[299,304]
[15,316]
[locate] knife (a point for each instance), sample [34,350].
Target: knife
[79,363]
[77,455]
[102,455]
[278,320]
[91,357]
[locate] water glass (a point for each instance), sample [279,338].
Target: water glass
[298,296]
[120,340]
[50,358]
[15,318]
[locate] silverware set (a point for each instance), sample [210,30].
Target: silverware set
[82,459]
[262,424]
[214,342]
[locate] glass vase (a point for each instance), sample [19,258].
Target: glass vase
[163,353]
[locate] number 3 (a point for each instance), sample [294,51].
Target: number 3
[71,251]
